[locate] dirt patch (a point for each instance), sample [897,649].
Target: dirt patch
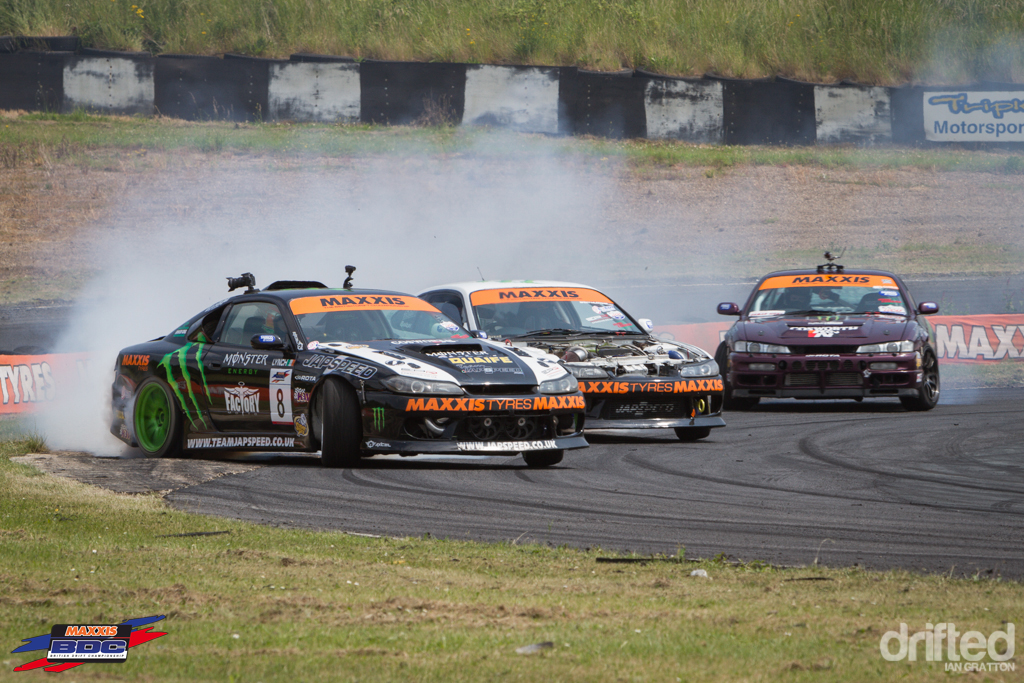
[703,223]
[132,475]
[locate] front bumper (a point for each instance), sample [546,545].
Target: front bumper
[653,402]
[472,424]
[825,375]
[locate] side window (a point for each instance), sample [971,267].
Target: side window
[203,330]
[449,303]
[252,318]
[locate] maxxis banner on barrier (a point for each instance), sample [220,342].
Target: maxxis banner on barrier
[31,383]
[958,338]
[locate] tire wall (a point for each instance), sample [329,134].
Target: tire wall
[549,100]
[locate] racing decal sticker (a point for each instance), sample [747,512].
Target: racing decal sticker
[301,427]
[892,309]
[507,446]
[241,442]
[352,302]
[179,359]
[281,396]
[498,296]
[476,405]
[300,395]
[283,362]
[137,360]
[824,332]
[677,387]
[242,400]
[827,279]
[246,359]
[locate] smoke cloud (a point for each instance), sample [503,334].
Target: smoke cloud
[406,221]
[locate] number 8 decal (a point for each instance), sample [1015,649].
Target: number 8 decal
[281,390]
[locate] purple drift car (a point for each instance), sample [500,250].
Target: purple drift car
[830,332]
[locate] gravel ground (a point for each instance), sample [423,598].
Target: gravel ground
[62,224]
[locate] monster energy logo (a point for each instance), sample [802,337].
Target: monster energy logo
[179,358]
[378,419]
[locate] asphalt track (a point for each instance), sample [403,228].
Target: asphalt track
[791,483]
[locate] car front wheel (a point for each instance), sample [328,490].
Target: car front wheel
[543,458]
[692,433]
[341,432]
[928,393]
[156,420]
[730,402]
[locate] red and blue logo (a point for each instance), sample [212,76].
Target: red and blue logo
[68,645]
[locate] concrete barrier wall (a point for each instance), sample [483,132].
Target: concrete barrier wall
[550,100]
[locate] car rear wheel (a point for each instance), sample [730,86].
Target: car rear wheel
[730,402]
[543,458]
[341,431]
[692,433]
[928,394]
[156,420]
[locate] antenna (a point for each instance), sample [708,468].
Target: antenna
[348,281]
[481,273]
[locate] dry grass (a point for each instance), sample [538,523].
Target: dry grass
[880,41]
[307,605]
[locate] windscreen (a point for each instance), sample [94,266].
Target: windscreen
[520,312]
[827,294]
[359,318]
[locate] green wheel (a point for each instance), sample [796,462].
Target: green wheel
[156,420]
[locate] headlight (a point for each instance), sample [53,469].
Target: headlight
[408,385]
[699,370]
[562,385]
[586,371]
[759,347]
[905,346]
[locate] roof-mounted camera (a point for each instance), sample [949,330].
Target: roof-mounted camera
[244,280]
[832,266]
[348,281]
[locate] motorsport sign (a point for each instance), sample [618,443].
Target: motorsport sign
[974,116]
[68,645]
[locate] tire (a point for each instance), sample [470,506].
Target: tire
[730,402]
[156,420]
[928,395]
[543,458]
[341,428]
[693,433]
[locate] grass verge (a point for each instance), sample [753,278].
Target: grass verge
[259,603]
[114,142]
[874,41]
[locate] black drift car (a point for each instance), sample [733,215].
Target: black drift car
[351,373]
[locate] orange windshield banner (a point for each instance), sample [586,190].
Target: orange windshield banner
[515,294]
[359,302]
[32,383]
[827,280]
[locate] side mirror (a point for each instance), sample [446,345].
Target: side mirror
[646,323]
[927,308]
[728,309]
[478,334]
[267,342]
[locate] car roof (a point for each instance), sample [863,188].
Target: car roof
[844,271]
[470,287]
[289,294]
